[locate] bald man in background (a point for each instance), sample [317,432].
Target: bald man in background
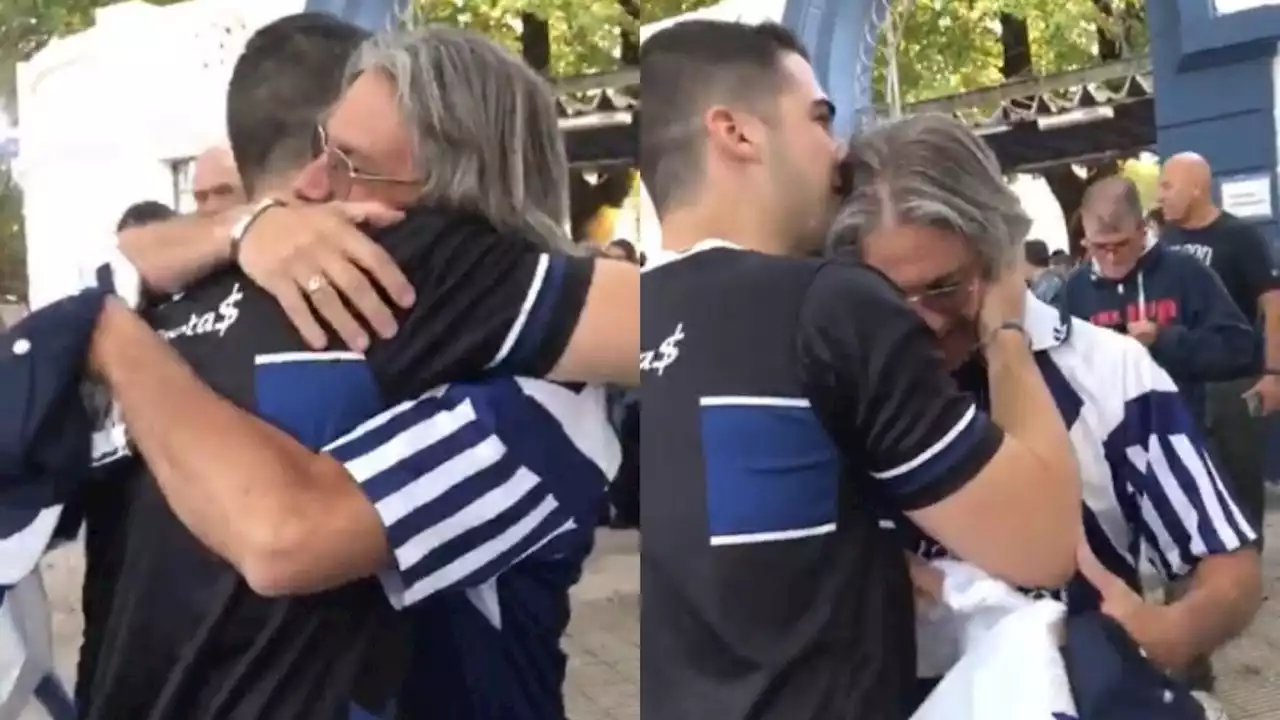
[215,184]
[1238,253]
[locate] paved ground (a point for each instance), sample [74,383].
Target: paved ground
[1249,669]
[604,639]
[603,642]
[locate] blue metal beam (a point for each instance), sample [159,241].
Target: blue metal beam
[841,36]
[372,15]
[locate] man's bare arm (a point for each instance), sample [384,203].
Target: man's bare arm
[251,493]
[605,345]
[284,250]
[1224,596]
[1270,302]
[172,254]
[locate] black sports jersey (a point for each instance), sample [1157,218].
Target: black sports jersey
[784,402]
[172,631]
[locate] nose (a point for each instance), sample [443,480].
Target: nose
[313,183]
[937,322]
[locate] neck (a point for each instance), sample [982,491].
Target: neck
[743,224]
[1200,217]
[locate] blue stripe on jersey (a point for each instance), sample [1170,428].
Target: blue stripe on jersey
[531,326]
[314,396]
[771,470]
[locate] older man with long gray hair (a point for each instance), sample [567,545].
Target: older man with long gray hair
[930,209]
[473,501]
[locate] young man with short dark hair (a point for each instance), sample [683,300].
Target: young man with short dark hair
[786,397]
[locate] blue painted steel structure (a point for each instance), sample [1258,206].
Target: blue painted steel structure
[1216,88]
[372,15]
[841,37]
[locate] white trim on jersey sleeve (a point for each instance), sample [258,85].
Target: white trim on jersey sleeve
[436,471]
[536,287]
[933,450]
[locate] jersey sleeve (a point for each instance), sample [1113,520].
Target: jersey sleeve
[458,506]
[1256,264]
[874,370]
[1186,510]
[487,303]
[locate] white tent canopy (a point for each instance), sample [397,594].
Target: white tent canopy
[751,12]
[109,116]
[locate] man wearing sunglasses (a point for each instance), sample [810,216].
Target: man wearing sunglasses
[931,211]
[1168,301]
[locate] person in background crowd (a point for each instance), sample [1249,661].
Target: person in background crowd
[144,213]
[929,204]
[786,396]
[1238,253]
[333,519]
[1044,280]
[1162,298]
[1060,260]
[215,183]
[1155,223]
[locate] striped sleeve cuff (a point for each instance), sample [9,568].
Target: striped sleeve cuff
[458,509]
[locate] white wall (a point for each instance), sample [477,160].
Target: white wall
[105,111]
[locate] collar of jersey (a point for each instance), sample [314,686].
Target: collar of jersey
[666,257]
[1047,327]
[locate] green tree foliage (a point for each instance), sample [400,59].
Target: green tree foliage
[947,46]
[585,36]
[13,255]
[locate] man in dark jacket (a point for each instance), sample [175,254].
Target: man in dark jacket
[1166,300]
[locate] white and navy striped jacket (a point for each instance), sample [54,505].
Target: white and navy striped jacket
[1152,495]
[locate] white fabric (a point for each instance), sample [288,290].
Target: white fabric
[26,656]
[998,648]
[26,645]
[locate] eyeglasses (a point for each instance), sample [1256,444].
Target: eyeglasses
[342,171]
[946,299]
[1110,244]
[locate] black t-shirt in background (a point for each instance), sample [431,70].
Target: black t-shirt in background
[172,631]
[1237,252]
[786,402]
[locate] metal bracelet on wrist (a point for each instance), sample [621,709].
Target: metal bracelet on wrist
[241,228]
[1006,326]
